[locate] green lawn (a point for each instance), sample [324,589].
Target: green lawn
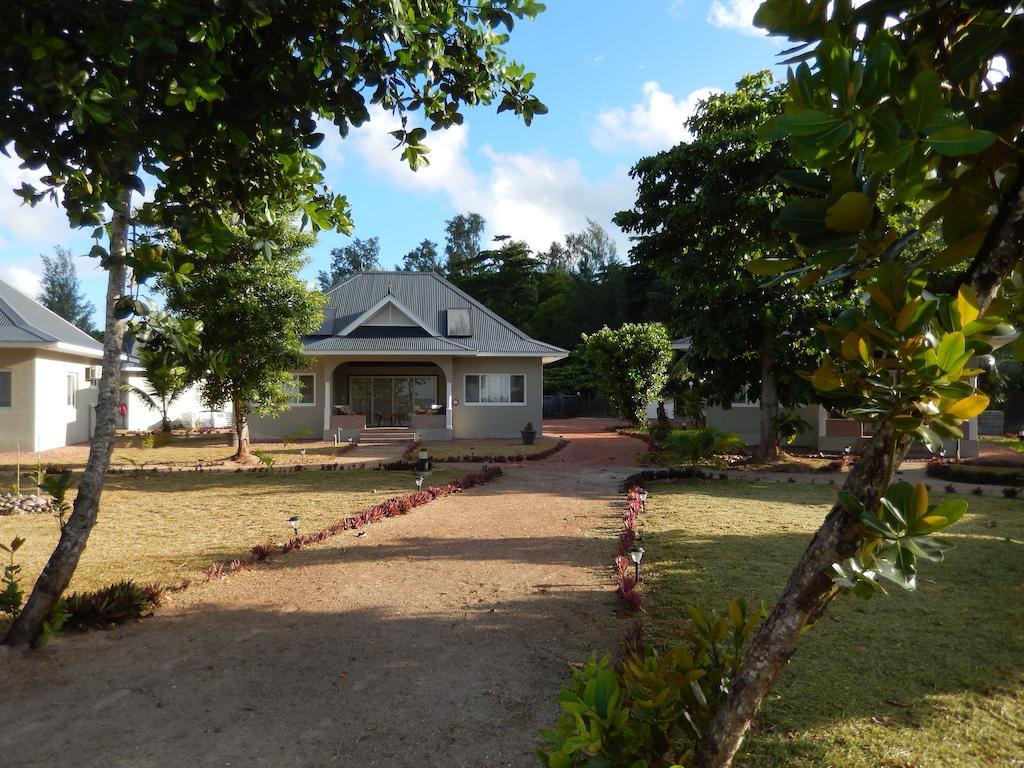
[1009,442]
[922,680]
[172,526]
[453,450]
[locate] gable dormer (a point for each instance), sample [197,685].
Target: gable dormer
[389,312]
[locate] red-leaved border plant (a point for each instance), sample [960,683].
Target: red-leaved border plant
[630,515]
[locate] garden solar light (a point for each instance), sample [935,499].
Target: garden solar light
[643,496]
[293,521]
[636,554]
[419,482]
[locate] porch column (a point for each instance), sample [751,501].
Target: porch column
[448,405]
[327,406]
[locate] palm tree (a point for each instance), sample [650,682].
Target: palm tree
[166,380]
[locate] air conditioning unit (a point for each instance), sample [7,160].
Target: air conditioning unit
[93,372]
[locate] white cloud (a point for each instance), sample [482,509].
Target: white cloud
[27,226]
[528,195]
[737,15]
[654,123]
[25,280]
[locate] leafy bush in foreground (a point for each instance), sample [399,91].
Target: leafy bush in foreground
[650,712]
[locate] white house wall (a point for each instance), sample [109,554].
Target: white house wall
[56,423]
[188,408]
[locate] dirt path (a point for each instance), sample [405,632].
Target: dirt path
[438,639]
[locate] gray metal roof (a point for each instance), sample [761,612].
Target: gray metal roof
[428,296]
[23,320]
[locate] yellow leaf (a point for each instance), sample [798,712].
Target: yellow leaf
[849,346]
[969,407]
[881,299]
[907,314]
[933,521]
[850,213]
[919,501]
[967,304]
[825,379]
[963,249]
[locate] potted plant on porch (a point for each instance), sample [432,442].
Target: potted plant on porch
[529,434]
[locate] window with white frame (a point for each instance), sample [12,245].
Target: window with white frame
[6,389]
[302,390]
[73,390]
[495,389]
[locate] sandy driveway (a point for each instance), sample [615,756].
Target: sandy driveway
[438,639]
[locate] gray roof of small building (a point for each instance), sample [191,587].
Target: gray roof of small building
[428,296]
[24,321]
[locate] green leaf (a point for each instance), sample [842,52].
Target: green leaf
[950,351]
[803,216]
[850,213]
[806,122]
[923,99]
[959,140]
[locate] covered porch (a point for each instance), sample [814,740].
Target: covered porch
[414,393]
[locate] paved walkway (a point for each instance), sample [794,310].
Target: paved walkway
[437,639]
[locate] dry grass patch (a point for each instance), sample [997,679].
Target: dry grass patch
[456,449]
[928,679]
[172,526]
[182,451]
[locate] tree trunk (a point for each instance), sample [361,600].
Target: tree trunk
[810,589]
[61,566]
[768,449]
[803,601]
[241,435]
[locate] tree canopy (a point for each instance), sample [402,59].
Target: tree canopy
[705,211]
[358,256]
[61,290]
[253,309]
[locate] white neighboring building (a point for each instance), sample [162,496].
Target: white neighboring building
[48,374]
[138,416]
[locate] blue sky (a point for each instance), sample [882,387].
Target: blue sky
[619,78]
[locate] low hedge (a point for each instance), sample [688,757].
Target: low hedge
[977,473]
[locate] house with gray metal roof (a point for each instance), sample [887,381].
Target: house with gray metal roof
[404,354]
[48,374]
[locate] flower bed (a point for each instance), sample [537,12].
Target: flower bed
[411,451]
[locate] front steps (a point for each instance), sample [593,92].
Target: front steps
[393,436]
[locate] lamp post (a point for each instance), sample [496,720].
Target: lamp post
[293,521]
[636,554]
[423,468]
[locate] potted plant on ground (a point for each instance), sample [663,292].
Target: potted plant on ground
[529,434]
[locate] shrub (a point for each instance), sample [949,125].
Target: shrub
[109,606]
[701,446]
[652,710]
[1011,493]
[976,473]
[978,491]
[950,488]
[11,595]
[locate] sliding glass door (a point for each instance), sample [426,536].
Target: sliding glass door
[392,400]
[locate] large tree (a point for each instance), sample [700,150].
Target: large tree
[423,258]
[61,290]
[253,309]
[909,113]
[705,210]
[219,104]
[630,366]
[358,256]
[464,234]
